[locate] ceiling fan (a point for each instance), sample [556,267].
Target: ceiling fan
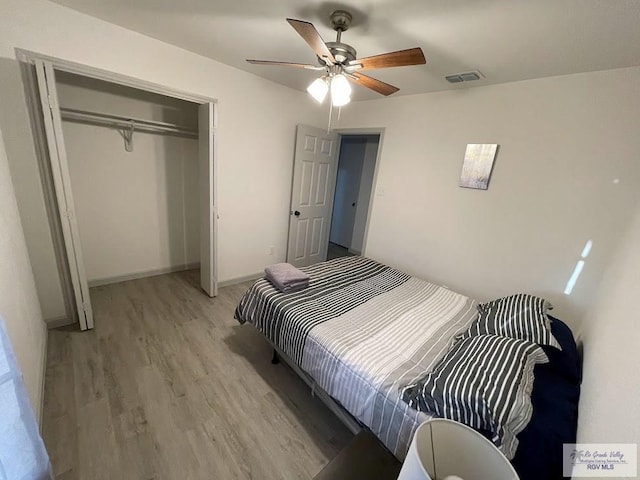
[339,62]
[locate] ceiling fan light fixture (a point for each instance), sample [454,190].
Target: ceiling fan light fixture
[337,59]
[318,89]
[340,90]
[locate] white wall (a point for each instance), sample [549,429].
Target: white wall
[256,131]
[610,397]
[566,172]
[19,304]
[364,193]
[14,123]
[137,211]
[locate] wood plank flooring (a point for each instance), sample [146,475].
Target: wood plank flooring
[169,386]
[337,251]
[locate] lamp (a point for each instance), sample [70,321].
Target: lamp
[318,89]
[340,89]
[444,449]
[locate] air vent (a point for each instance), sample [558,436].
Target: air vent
[454,78]
[464,77]
[470,76]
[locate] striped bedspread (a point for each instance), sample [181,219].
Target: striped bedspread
[362,331]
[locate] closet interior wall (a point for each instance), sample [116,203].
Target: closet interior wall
[137,211]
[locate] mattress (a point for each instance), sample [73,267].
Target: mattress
[362,330]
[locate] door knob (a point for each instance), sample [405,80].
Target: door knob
[296,213]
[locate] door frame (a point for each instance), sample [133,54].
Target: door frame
[64,195]
[27,57]
[366,131]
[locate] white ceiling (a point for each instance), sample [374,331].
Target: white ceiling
[507,40]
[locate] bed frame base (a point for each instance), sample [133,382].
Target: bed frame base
[275,360]
[338,410]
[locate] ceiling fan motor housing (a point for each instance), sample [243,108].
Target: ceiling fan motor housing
[340,20]
[343,53]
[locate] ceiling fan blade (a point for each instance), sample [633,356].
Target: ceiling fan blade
[286,64]
[310,35]
[401,58]
[373,83]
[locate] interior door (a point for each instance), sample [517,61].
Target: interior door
[62,185]
[314,178]
[208,206]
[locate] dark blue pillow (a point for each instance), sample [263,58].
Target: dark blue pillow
[555,397]
[565,362]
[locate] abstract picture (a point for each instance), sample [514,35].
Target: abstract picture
[477,166]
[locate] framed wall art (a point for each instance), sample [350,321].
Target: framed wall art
[478,164]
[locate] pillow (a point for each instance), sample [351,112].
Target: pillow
[517,316]
[484,382]
[565,362]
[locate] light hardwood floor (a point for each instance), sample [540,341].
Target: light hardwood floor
[337,251]
[169,386]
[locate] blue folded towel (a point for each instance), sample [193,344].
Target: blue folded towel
[287,278]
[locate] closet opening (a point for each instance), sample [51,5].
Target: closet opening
[134,182]
[131,175]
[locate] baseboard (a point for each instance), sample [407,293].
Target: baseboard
[98,282]
[44,375]
[58,322]
[237,280]
[354,252]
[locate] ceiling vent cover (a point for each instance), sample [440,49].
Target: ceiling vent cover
[464,77]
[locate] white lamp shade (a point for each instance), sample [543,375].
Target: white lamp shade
[318,89]
[446,450]
[340,90]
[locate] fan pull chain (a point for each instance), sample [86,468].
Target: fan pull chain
[331,115]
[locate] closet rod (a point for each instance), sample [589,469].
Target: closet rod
[118,121]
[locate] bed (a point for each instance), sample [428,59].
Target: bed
[360,332]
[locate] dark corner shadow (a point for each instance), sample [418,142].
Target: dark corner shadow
[71,328]
[191,277]
[328,432]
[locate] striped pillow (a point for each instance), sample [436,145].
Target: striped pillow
[484,382]
[517,316]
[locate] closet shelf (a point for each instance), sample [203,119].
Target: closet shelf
[126,123]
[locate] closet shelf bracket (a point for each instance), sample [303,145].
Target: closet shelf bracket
[127,134]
